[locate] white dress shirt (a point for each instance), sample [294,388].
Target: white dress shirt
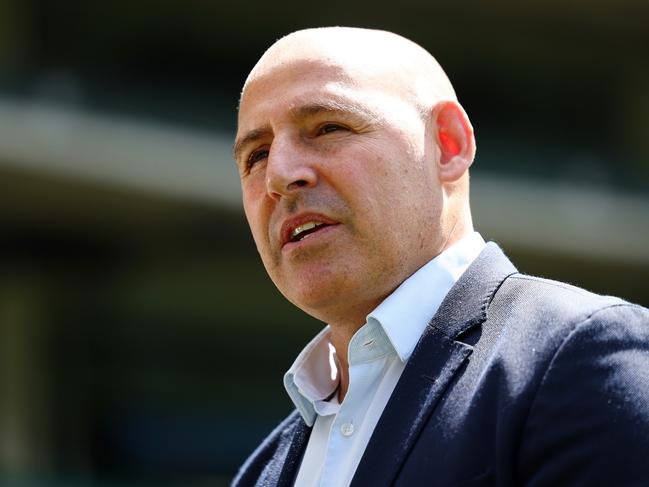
[377,355]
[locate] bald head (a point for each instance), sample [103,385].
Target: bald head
[367,56]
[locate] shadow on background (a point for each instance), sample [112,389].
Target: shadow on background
[141,342]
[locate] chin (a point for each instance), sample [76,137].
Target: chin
[317,297]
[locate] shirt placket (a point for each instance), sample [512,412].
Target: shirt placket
[367,361]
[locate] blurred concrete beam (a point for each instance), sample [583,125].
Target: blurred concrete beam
[118,151]
[562,218]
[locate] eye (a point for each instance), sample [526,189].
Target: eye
[327,128]
[256,156]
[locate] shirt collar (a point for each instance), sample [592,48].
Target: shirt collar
[405,313]
[312,378]
[395,325]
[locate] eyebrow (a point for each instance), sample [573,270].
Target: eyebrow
[346,108]
[249,138]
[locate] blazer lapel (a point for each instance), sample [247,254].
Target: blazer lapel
[421,386]
[294,455]
[434,363]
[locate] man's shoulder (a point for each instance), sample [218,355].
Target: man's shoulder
[538,318]
[591,391]
[555,368]
[537,299]
[493,289]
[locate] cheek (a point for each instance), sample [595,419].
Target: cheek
[360,170]
[378,180]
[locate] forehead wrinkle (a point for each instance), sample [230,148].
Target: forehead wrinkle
[333,106]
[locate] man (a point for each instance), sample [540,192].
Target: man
[440,363]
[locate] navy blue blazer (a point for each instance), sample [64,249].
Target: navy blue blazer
[516,381]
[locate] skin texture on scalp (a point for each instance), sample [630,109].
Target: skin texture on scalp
[402,66]
[361,128]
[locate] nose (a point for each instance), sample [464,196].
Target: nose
[289,170]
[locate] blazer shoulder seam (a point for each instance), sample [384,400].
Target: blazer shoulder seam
[552,283]
[492,295]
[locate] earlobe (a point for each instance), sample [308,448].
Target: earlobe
[454,138]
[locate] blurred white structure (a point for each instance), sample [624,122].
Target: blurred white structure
[539,216]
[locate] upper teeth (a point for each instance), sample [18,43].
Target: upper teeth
[302,228]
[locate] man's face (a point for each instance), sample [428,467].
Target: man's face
[339,184]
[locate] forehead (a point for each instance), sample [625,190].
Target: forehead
[297,93]
[288,83]
[285,88]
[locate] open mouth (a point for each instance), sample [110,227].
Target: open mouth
[303,231]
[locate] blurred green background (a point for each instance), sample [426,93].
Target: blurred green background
[141,342]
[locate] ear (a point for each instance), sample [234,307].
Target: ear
[454,137]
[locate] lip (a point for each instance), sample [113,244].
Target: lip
[291,223]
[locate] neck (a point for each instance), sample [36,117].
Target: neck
[344,325]
[340,338]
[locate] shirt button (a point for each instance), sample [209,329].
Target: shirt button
[347,429]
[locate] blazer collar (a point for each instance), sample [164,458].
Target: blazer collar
[466,303]
[434,363]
